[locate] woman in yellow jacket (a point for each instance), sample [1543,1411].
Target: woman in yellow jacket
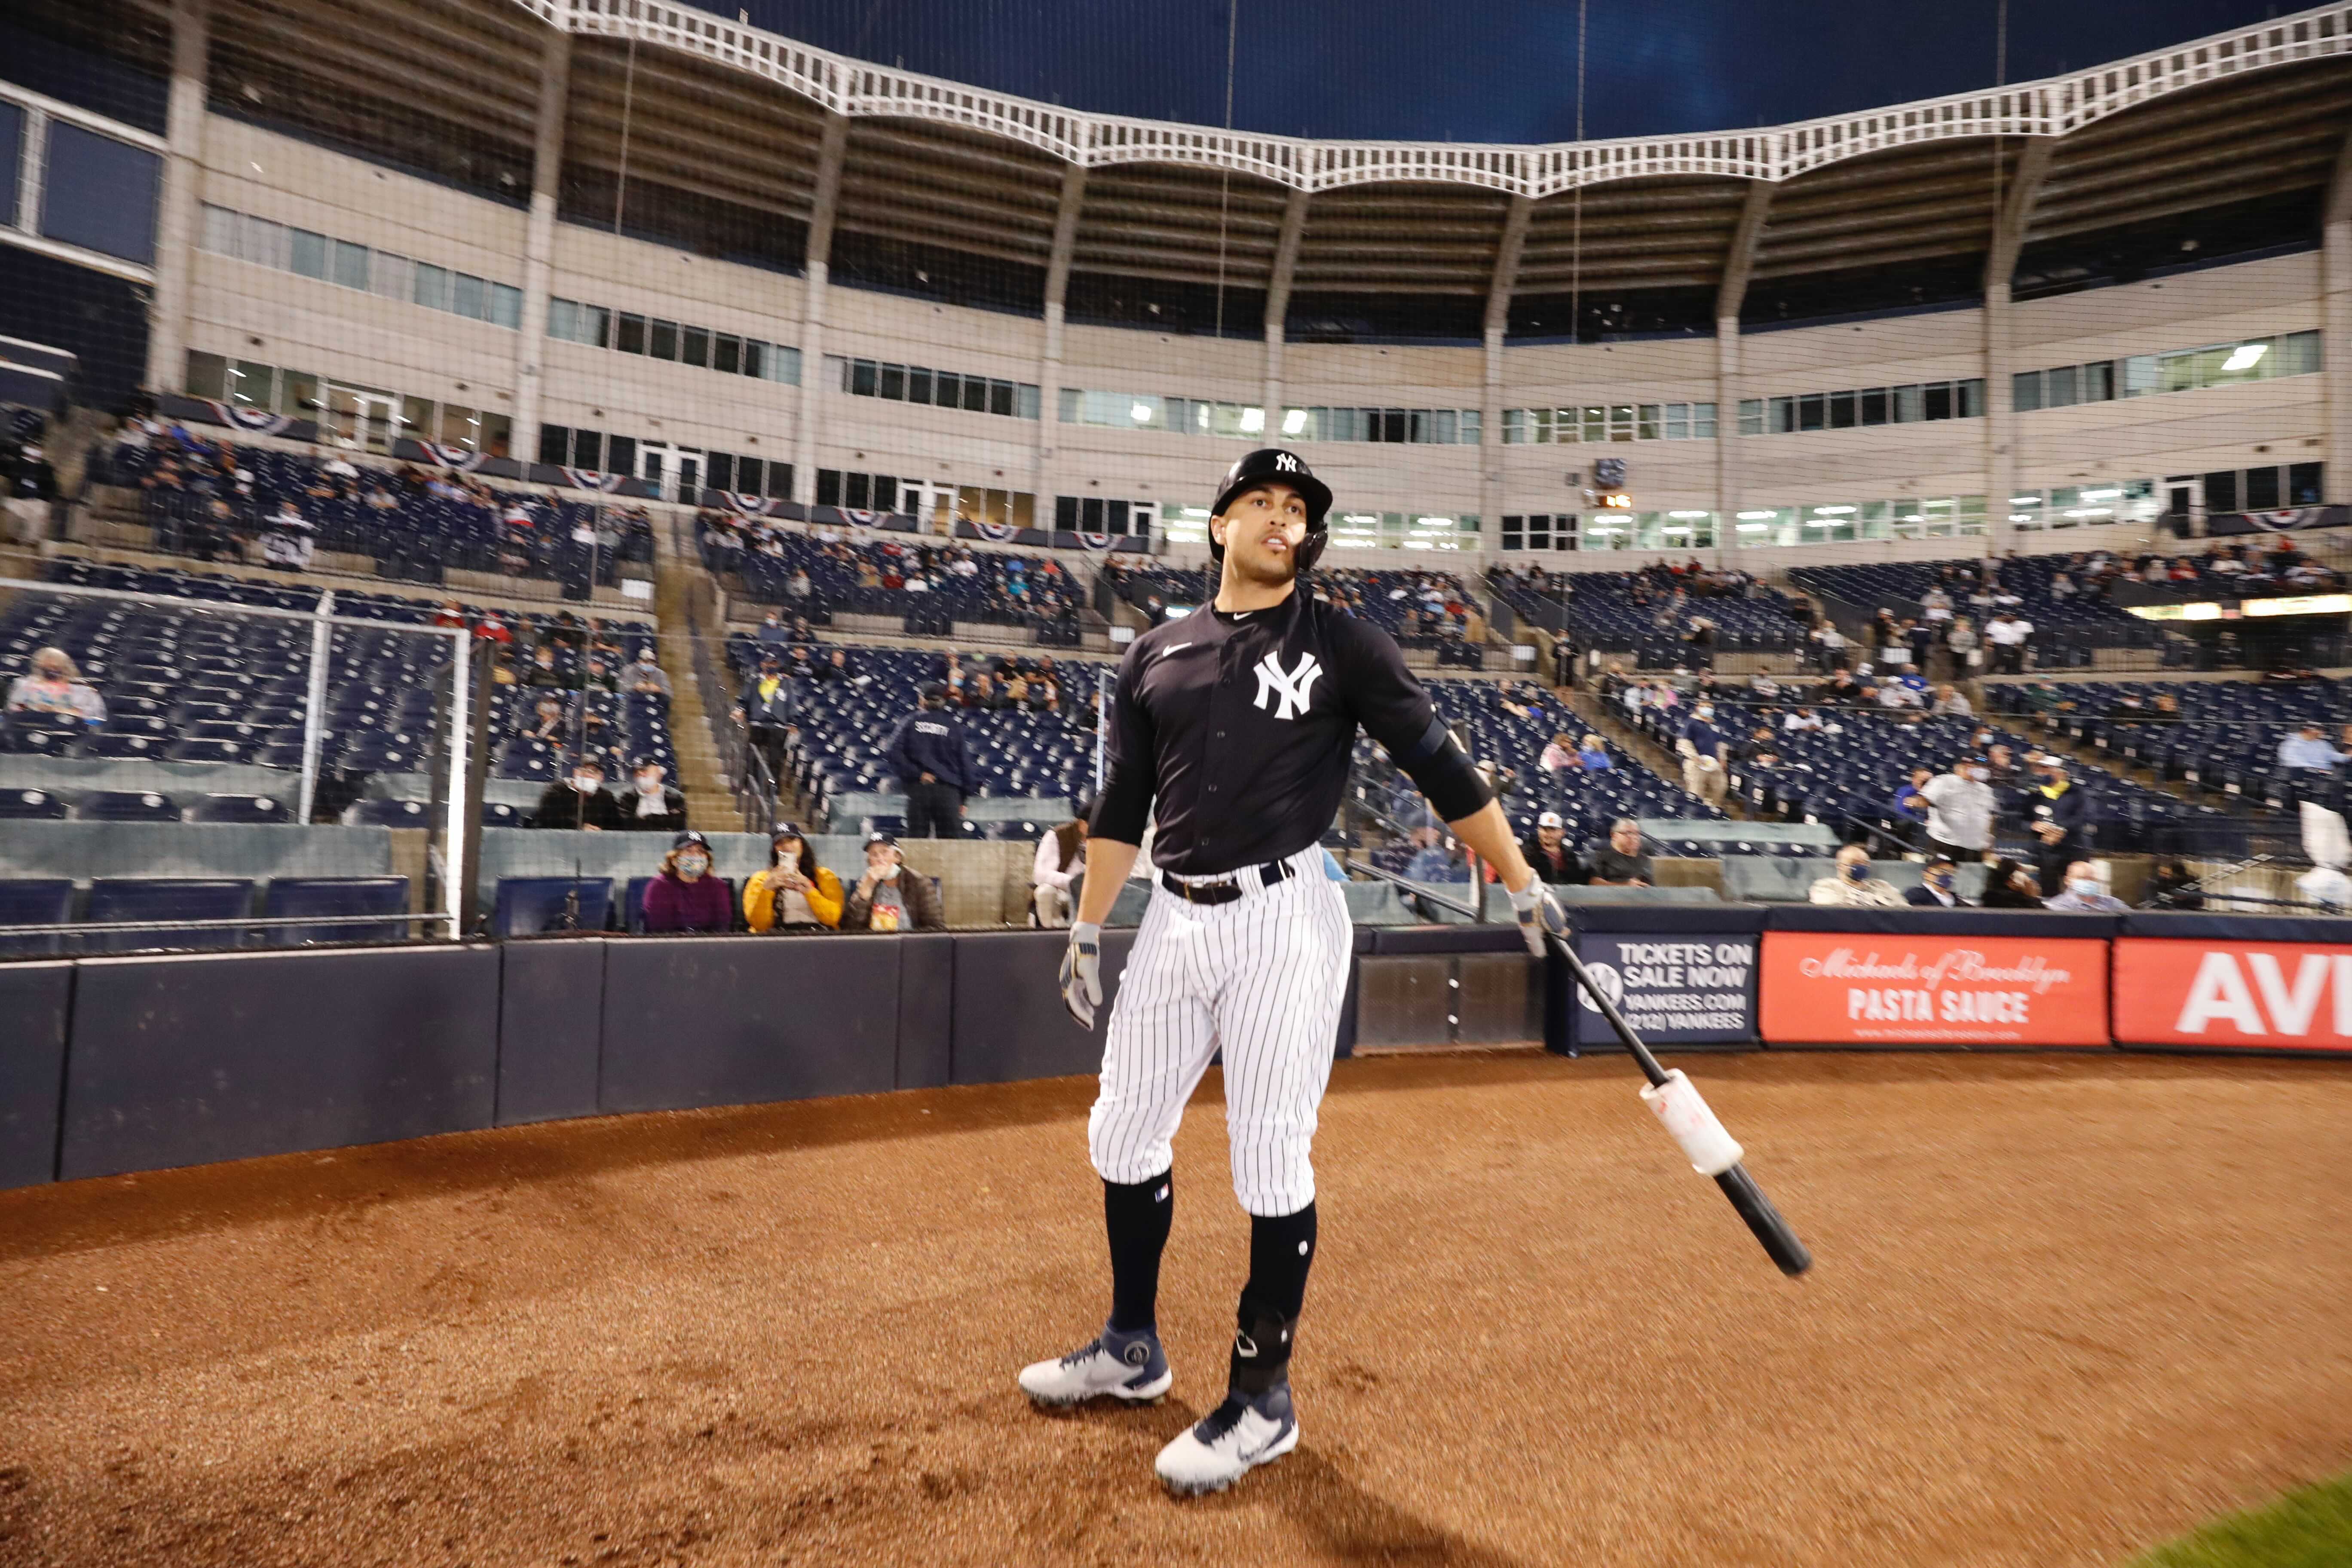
[794,893]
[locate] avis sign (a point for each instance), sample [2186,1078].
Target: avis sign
[2290,996]
[1880,988]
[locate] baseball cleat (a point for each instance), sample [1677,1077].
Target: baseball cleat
[1228,1443]
[1129,1367]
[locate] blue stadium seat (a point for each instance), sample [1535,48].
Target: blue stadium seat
[392,814]
[124,806]
[321,897]
[128,900]
[34,902]
[32,805]
[246,808]
[528,906]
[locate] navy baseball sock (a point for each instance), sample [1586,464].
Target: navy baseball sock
[1136,1215]
[1282,1249]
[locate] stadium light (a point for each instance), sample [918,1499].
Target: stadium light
[2245,356]
[1686,514]
[1252,421]
[1757,516]
[1141,413]
[1837,510]
[1294,422]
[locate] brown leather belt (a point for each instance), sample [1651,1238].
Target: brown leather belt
[1226,891]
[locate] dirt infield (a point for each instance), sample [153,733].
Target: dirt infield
[2065,1307]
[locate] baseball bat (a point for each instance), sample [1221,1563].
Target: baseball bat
[1779,1240]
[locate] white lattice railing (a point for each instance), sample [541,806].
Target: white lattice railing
[2051,107]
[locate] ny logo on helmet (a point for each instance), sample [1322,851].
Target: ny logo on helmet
[1284,463]
[1292,690]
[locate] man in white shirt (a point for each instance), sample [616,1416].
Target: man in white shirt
[1937,603]
[1960,807]
[2007,633]
[1803,719]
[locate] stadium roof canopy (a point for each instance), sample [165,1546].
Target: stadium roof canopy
[2218,148]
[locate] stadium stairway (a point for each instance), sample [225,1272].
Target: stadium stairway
[1609,724]
[710,794]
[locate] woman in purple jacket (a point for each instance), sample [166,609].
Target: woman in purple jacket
[685,895]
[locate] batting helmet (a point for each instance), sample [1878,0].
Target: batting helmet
[1277,466]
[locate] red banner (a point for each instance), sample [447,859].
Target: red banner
[2266,996]
[1872,988]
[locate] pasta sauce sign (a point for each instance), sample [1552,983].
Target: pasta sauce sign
[2270,995]
[1874,988]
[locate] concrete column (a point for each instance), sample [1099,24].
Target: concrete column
[1049,365]
[1277,307]
[175,219]
[813,390]
[2000,438]
[2335,328]
[539,243]
[1508,250]
[1730,295]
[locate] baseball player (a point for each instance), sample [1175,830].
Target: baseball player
[1231,729]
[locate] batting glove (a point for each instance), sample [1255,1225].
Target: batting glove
[1082,974]
[1539,915]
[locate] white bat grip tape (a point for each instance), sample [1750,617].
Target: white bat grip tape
[1686,1116]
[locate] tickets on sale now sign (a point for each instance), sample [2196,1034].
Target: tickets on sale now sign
[1870,988]
[2266,996]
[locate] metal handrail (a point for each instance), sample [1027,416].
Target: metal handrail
[121,927]
[1417,890]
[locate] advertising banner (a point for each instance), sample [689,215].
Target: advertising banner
[1875,988]
[1676,988]
[2266,996]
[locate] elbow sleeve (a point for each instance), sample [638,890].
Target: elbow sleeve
[1124,808]
[1443,771]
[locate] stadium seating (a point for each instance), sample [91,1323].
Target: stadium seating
[1420,609]
[326,898]
[136,902]
[528,906]
[961,583]
[2220,737]
[436,521]
[1650,613]
[34,902]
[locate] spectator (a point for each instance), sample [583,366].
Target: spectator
[1620,862]
[1061,860]
[685,896]
[55,690]
[833,667]
[1909,807]
[2007,634]
[548,723]
[1967,648]
[794,893]
[545,671]
[2085,894]
[768,710]
[578,800]
[2175,887]
[771,632]
[1803,718]
[652,805]
[1594,757]
[1936,890]
[597,676]
[1548,852]
[2304,751]
[1701,749]
[2010,886]
[934,768]
[1560,756]
[889,897]
[1960,810]
[1950,703]
[2059,814]
[642,676]
[1854,886]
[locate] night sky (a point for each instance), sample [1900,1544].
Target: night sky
[1488,70]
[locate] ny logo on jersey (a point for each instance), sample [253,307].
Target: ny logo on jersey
[1292,689]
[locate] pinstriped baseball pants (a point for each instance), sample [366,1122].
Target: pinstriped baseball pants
[1263,978]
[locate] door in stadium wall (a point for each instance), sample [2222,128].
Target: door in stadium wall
[677,470]
[363,418]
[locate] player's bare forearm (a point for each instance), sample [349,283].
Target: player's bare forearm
[1489,833]
[1108,863]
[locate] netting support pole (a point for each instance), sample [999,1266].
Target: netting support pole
[539,244]
[1500,289]
[2335,326]
[1277,308]
[1049,365]
[808,428]
[175,217]
[2009,223]
[314,716]
[1730,297]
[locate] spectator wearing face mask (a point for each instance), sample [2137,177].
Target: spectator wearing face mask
[2059,814]
[1854,886]
[889,897]
[578,800]
[651,805]
[1937,889]
[1960,810]
[642,675]
[685,895]
[794,893]
[1594,757]
[1701,745]
[55,692]
[1061,860]
[2085,894]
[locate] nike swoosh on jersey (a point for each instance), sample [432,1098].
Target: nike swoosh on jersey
[1174,648]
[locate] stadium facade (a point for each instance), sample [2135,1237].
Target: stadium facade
[2063,304]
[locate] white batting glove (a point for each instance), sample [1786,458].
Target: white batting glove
[1082,974]
[1539,914]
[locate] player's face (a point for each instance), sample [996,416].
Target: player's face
[1262,529]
